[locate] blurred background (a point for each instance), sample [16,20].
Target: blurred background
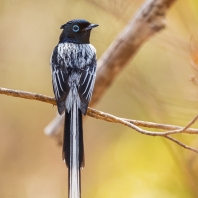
[160,85]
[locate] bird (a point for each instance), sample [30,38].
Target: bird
[73,67]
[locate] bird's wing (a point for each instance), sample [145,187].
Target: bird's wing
[86,84]
[59,80]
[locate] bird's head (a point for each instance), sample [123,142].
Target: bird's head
[76,31]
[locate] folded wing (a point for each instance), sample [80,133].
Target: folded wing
[86,85]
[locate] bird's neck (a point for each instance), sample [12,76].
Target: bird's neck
[82,38]
[73,40]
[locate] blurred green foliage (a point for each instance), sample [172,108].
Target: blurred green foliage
[159,85]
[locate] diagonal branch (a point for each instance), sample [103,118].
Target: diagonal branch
[181,144]
[111,118]
[148,20]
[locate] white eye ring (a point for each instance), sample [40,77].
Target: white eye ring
[75,28]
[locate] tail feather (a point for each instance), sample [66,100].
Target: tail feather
[66,139]
[81,145]
[73,150]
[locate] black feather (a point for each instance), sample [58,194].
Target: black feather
[81,144]
[66,139]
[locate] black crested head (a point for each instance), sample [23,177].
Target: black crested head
[76,31]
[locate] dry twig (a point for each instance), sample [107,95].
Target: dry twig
[111,118]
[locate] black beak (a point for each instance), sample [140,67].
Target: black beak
[90,26]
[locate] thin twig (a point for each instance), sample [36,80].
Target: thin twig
[161,126]
[181,144]
[27,95]
[135,123]
[108,117]
[111,118]
[190,123]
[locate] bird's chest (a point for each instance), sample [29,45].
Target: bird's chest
[75,56]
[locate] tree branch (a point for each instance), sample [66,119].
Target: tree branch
[27,95]
[134,124]
[148,20]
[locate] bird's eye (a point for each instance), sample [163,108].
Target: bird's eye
[75,28]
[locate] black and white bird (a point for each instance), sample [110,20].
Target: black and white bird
[73,67]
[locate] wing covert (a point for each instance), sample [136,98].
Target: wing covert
[59,80]
[86,85]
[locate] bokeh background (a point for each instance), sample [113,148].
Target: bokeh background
[158,85]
